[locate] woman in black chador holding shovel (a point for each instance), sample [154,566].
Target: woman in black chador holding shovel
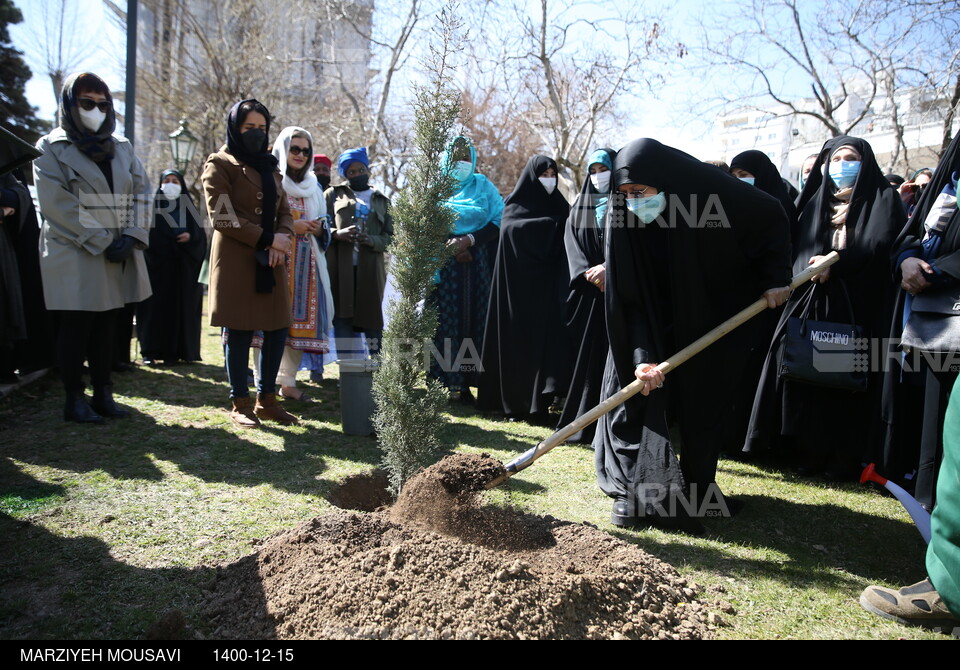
[688,246]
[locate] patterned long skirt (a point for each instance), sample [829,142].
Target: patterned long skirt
[461,297]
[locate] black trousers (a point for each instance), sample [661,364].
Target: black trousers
[89,336]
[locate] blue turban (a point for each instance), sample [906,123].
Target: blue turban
[352,156]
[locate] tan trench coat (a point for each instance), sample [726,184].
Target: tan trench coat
[82,217]
[361,301]
[234,194]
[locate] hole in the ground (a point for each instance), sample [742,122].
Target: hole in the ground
[366,492]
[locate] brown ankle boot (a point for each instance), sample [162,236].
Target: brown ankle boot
[268,408]
[243,414]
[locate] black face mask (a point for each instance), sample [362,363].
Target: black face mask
[254,140]
[360,183]
[324,181]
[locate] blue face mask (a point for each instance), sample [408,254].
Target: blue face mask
[844,173]
[462,170]
[649,208]
[748,180]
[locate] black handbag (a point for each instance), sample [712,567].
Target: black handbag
[934,321]
[824,353]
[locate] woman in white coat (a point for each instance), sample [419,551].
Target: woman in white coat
[94,199]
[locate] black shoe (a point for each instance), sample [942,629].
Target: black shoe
[623,514]
[103,403]
[77,409]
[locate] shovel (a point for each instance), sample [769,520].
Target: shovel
[527,458]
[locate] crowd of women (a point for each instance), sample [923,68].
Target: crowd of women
[656,250]
[293,259]
[547,307]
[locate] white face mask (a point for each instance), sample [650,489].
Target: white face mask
[549,184]
[93,119]
[170,189]
[601,181]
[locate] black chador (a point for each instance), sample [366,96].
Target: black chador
[526,360]
[717,245]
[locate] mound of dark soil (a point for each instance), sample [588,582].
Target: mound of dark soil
[488,573]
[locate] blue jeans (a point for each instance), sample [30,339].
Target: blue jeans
[238,355]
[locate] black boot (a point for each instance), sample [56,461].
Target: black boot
[104,404]
[624,513]
[77,409]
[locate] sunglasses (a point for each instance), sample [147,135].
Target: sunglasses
[87,104]
[299,151]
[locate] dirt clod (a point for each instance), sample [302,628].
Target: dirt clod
[444,498]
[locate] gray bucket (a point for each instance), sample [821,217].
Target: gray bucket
[356,395]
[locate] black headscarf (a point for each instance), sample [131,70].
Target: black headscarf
[670,281]
[186,219]
[766,177]
[99,145]
[584,238]
[873,219]
[529,198]
[265,164]
[178,175]
[715,199]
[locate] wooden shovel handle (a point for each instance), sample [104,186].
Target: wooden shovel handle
[631,389]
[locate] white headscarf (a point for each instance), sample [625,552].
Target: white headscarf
[314,203]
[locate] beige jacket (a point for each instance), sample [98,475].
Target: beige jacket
[82,217]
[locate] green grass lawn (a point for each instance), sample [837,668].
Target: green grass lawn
[107,528]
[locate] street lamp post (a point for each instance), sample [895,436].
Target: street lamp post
[183,145]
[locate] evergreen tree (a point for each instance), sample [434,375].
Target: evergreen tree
[409,404]
[16,114]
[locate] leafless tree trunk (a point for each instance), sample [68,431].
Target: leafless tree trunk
[766,46]
[563,67]
[865,62]
[913,46]
[373,119]
[951,115]
[57,48]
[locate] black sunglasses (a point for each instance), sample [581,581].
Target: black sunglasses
[300,151]
[87,104]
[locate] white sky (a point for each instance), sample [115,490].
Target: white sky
[99,46]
